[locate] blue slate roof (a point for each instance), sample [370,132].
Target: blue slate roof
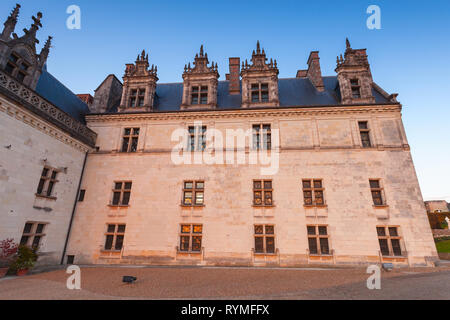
[292,92]
[58,94]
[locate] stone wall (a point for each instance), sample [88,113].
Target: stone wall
[27,143]
[313,143]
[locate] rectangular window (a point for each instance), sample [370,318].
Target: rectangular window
[389,240]
[121,193]
[191,237]
[81,195]
[318,240]
[199,95]
[130,139]
[264,239]
[262,137]
[193,193]
[313,192]
[196,138]
[32,234]
[114,237]
[356,88]
[377,192]
[259,92]
[16,66]
[365,134]
[141,97]
[47,182]
[262,192]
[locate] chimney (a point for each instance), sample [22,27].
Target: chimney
[234,76]
[314,73]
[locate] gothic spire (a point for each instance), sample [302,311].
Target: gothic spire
[45,51]
[10,23]
[347,43]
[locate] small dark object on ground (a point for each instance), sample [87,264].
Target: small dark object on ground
[387,266]
[129,279]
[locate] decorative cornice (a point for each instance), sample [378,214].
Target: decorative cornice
[247,113]
[36,122]
[33,102]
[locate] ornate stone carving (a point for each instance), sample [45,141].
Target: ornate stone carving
[32,101]
[200,83]
[263,75]
[139,85]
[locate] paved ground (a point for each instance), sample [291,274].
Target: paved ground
[231,283]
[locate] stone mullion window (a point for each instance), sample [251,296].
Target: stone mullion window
[259,92]
[318,240]
[121,193]
[114,237]
[199,95]
[193,193]
[33,232]
[47,182]
[197,138]
[389,240]
[264,239]
[262,193]
[191,237]
[130,139]
[365,134]
[17,67]
[262,137]
[313,192]
[356,88]
[377,192]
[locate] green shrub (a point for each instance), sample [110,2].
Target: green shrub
[26,258]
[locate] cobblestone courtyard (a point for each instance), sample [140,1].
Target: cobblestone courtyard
[231,283]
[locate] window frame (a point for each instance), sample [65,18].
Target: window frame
[379,189]
[388,237]
[17,67]
[199,92]
[122,192]
[135,97]
[263,190]
[196,140]
[194,190]
[129,138]
[257,87]
[317,237]
[354,87]
[115,234]
[363,131]
[190,235]
[31,236]
[47,183]
[262,136]
[264,236]
[313,189]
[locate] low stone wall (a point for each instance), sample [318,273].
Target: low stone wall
[441,233]
[444,256]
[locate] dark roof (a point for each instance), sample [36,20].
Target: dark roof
[292,92]
[58,94]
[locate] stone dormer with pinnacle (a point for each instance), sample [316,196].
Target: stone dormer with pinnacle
[354,76]
[139,85]
[259,81]
[18,55]
[200,83]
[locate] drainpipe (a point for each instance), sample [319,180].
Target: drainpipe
[73,210]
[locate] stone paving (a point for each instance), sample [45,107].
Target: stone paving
[100,283]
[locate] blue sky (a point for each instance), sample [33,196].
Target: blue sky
[409,55]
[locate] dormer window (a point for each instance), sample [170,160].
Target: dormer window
[199,95]
[17,67]
[260,92]
[137,98]
[356,88]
